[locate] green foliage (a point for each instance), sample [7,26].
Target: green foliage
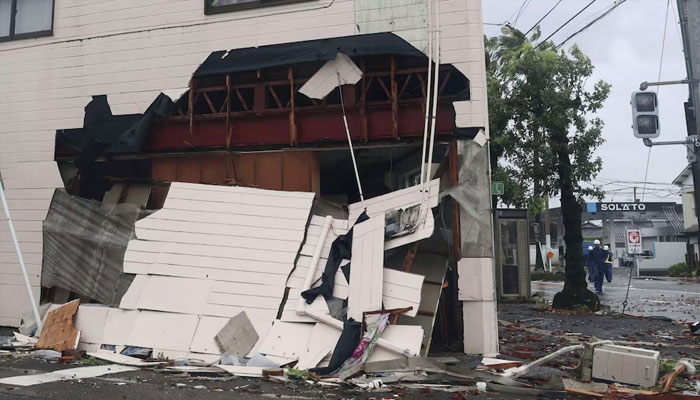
[680,269]
[90,360]
[539,100]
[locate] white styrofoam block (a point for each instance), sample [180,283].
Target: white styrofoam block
[626,365]
[476,280]
[480,328]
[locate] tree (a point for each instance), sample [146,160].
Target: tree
[543,137]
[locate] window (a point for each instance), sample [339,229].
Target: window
[20,19]
[216,6]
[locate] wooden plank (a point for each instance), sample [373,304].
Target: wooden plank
[405,336]
[402,289]
[217,240]
[322,341]
[265,232]
[260,198]
[287,339]
[366,279]
[397,199]
[66,374]
[59,332]
[245,301]
[171,294]
[166,330]
[217,274]
[130,300]
[222,263]
[115,358]
[214,251]
[242,209]
[90,321]
[201,216]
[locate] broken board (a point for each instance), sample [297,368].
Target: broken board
[367,267]
[59,333]
[238,336]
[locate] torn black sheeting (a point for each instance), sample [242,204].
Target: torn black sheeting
[341,249]
[104,133]
[252,58]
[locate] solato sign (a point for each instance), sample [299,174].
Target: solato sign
[623,206]
[628,207]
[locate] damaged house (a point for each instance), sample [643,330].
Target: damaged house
[294,170]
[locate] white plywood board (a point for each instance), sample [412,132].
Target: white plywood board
[264,232]
[238,209]
[66,375]
[115,358]
[339,71]
[158,329]
[130,300]
[118,326]
[287,339]
[367,267]
[255,197]
[201,216]
[399,199]
[405,336]
[322,342]
[177,295]
[402,289]
[217,240]
[90,321]
[239,253]
[204,342]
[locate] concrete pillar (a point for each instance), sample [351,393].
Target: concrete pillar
[476,269]
[611,235]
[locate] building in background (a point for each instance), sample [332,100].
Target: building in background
[690,219]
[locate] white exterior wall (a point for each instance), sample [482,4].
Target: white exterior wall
[690,219]
[131,50]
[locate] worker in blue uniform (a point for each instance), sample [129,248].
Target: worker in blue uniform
[587,263]
[608,264]
[597,258]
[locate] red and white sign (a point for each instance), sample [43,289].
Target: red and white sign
[634,241]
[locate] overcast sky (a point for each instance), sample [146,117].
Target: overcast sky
[625,48]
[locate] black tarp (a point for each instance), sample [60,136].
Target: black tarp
[341,249]
[252,58]
[104,133]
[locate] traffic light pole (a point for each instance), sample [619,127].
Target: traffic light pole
[689,16]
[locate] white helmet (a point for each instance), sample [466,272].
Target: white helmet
[596,241]
[606,247]
[590,248]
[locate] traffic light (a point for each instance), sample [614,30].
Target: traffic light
[645,115]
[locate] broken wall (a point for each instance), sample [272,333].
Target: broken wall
[84,245]
[282,170]
[125,51]
[476,269]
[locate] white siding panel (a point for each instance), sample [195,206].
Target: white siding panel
[367,265]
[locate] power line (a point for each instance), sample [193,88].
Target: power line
[542,19]
[522,10]
[566,23]
[517,11]
[611,9]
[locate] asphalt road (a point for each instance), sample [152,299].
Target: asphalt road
[667,297]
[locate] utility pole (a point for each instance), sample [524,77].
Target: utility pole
[689,16]
[635,195]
